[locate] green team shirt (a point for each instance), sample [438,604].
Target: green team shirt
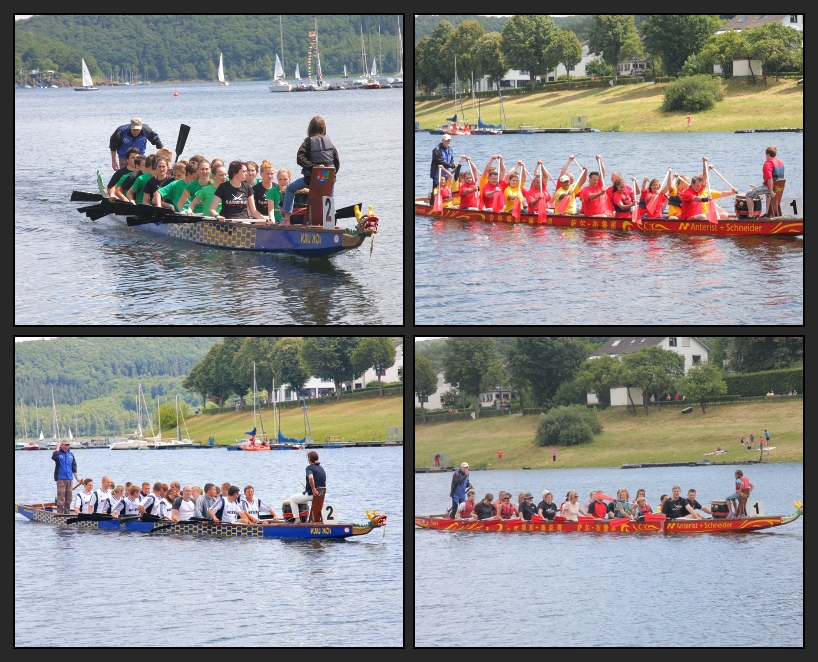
[276,196]
[173,191]
[138,187]
[205,194]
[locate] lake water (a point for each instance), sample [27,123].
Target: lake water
[530,589]
[71,270]
[85,587]
[501,273]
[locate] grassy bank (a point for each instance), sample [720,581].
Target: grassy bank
[352,420]
[665,435]
[637,108]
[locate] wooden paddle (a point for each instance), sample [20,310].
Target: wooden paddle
[184,130]
[635,211]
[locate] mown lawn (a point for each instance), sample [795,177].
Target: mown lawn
[353,420]
[665,435]
[637,108]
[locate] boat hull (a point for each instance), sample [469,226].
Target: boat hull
[741,524]
[282,530]
[307,241]
[736,227]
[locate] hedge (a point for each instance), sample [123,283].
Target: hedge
[760,383]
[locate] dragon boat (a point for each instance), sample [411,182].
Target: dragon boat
[44,512]
[783,227]
[312,233]
[651,524]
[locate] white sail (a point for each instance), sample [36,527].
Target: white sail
[221,69]
[373,73]
[279,69]
[70,436]
[86,75]
[345,71]
[297,75]
[41,436]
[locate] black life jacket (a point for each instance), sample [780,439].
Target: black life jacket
[321,150]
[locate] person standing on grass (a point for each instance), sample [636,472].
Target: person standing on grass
[554,454]
[500,455]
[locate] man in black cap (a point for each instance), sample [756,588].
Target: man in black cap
[441,156]
[134,134]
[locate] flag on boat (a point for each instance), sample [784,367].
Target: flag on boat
[251,434]
[452,119]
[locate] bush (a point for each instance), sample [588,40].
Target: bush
[567,426]
[759,383]
[693,93]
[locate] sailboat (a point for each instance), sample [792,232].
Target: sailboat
[345,72]
[297,75]
[250,444]
[87,83]
[137,440]
[222,81]
[296,444]
[320,85]
[278,84]
[178,442]
[372,82]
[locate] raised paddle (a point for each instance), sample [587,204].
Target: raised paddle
[655,204]
[184,130]
[711,204]
[635,211]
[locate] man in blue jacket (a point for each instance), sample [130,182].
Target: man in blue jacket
[134,134]
[441,156]
[460,481]
[64,467]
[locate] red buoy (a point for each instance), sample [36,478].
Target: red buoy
[176,94]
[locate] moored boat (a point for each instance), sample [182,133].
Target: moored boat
[784,227]
[651,523]
[44,512]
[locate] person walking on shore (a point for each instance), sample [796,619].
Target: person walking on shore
[65,467]
[554,454]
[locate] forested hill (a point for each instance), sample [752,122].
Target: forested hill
[82,369]
[187,47]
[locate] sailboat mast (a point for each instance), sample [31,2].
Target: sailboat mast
[380,59]
[282,40]
[178,429]
[159,418]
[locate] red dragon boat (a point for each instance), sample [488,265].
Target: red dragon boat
[652,523]
[788,227]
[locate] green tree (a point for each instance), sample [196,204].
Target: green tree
[487,57]
[612,36]
[703,380]
[222,374]
[652,368]
[754,354]
[718,349]
[425,381]
[773,44]
[722,49]
[258,350]
[459,45]
[429,59]
[287,365]
[693,93]
[377,353]
[546,362]
[331,359]
[598,375]
[569,394]
[525,39]
[675,37]
[564,49]
[598,67]
[567,426]
[466,362]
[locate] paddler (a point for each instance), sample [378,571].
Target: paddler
[100,501]
[592,196]
[128,505]
[130,135]
[512,193]
[468,188]
[252,506]
[170,194]
[466,509]
[492,181]
[130,166]
[235,196]
[569,189]
[154,504]
[127,180]
[161,177]
[226,509]
[82,498]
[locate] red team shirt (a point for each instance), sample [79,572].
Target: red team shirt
[591,207]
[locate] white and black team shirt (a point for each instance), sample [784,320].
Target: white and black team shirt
[155,505]
[127,507]
[81,501]
[229,510]
[101,501]
[253,507]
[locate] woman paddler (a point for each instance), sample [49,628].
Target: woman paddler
[204,196]
[235,196]
[513,191]
[623,201]
[203,179]
[261,190]
[650,193]
[82,499]
[316,150]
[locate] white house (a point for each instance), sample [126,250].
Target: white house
[741,68]
[433,401]
[693,349]
[316,388]
[519,77]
